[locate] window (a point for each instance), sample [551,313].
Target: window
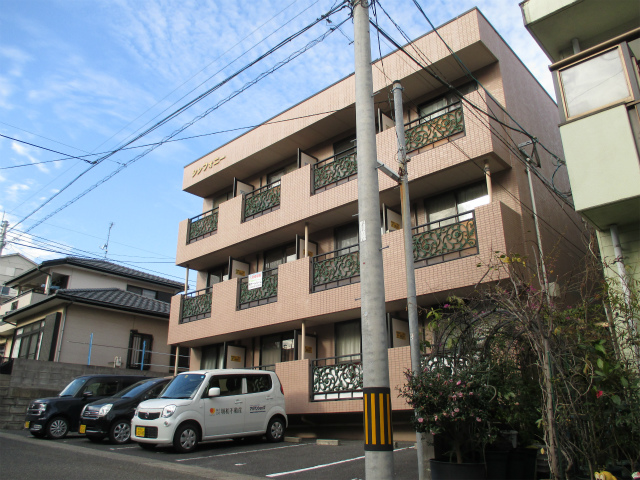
[58,282]
[5,290]
[222,198]
[348,340]
[139,342]
[212,357]
[455,203]
[278,174]
[279,255]
[344,147]
[347,236]
[594,83]
[228,384]
[102,388]
[435,108]
[277,348]
[28,340]
[217,275]
[14,305]
[154,294]
[258,383]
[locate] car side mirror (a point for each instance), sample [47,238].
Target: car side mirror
[214,392]
[87,394]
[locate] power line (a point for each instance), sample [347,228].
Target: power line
[44,148]
[199,117]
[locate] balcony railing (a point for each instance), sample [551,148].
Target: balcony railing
[337,378]
[447,239]
[268,293]
[263,200]
[434,127]
[202,226]
[196,305]
[335,170]
[335,269]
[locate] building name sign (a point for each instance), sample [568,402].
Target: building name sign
[203,168]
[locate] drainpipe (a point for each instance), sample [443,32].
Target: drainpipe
[306,239]
[302,340]
[64,321]
[175,371]
[487,174]
[186,281]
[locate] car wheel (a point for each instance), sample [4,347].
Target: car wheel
[275,430]
[94,439]
[120,432]
[186,438]
[147,446]
[57,428]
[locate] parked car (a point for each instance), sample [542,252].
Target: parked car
[54,417]
[212,404]
[111,417]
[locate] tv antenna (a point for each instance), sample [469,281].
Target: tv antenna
[105,247]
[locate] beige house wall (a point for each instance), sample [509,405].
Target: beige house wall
[111,332]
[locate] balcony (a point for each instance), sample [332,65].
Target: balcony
[261,201]
[448,239]
[337,378]
[196,306]
[267,293]
[335,170]
[335,269]
[436,126]
[202,226]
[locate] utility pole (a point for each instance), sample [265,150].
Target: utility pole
[412,304]
[3,234]
[378,433]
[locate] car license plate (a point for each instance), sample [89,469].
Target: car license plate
[140,432]
[26,424]
[83,429]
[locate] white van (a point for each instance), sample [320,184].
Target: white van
[209,405]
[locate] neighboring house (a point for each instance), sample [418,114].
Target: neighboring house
[11,266]
[282,200]
[81,311]
[595,48]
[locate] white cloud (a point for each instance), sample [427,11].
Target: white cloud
[13,191]
[6,89]
[23,151]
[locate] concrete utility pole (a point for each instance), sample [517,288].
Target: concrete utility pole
[412,304]
[3,234]
[378,433]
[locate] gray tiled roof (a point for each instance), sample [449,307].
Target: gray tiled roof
[105,266]
[116,298]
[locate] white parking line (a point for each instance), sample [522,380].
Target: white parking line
[238,453]
[121,448]
[325,465]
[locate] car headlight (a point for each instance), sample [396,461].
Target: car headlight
[38,408]
[105,409]
[168,411]
[135,413]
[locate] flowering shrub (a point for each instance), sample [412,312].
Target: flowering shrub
[453,399]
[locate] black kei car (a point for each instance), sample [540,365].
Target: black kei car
[111,417]
[54,417]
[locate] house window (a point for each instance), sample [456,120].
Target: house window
[452,204]
[145,292]
[278,256]
[594,83]
[347,236]
[348,343]
[28,340]
[139,342]
[222,198]
[445,103]
[5,290]
[14,305]
[58,282]
[212,357]
[218,275]
[277,348]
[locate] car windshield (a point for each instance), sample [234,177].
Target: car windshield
[73,388]
[135,389]
[183,386]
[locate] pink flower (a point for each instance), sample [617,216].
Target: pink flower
[458,382]
[420,420]
[470,393]
[435,418]
[457,410]
[599,394]
[478,419]
[446,305]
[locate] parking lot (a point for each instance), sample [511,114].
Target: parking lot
[223,459]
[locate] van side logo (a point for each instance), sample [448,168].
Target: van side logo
[257,408]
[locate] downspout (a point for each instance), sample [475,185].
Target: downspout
[617,251]
[64,320]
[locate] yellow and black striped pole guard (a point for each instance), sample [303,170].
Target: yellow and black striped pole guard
[377,419]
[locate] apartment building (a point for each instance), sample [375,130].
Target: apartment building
[275,247]
[595,49]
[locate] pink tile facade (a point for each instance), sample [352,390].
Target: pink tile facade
[504,225]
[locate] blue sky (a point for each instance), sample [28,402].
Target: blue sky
[82,76]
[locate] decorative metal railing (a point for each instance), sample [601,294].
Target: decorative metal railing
[202,226]
[196,305]
[335,269]
[262,200]
[429,129]
[268,293]
[447,239]
[337,169]
[336,376]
